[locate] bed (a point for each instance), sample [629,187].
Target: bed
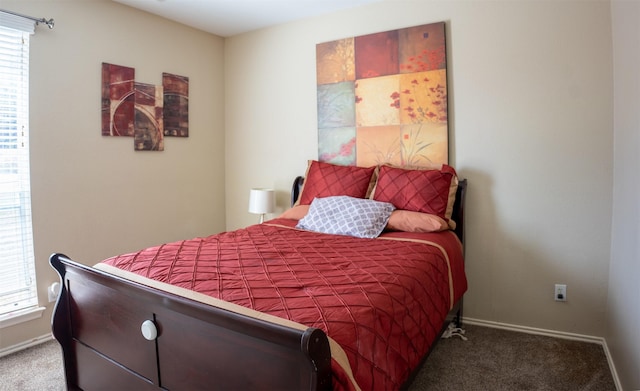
[287,304]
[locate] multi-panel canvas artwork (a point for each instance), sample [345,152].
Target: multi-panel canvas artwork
[382,98]
[146,112]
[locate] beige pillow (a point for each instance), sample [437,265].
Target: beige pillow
[295,213]
[410,221]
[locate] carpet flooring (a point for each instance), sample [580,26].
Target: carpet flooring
[491,359]
[501,360]
[36,368]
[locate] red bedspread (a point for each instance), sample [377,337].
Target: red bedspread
[382,300]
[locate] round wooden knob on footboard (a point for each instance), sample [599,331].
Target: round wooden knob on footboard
[149,330]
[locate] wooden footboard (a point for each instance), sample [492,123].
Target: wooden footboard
[99,320]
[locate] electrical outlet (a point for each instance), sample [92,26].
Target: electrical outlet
[560,293]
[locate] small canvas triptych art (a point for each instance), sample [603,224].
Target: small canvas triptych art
[144,111]
[382,98]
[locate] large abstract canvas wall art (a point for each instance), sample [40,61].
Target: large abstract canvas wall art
[382,98]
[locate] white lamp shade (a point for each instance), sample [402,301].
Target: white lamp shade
[262,201]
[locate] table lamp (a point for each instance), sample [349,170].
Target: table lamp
[262,201]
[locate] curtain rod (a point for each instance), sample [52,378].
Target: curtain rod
[49,22]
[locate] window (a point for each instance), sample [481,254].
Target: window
[17,265]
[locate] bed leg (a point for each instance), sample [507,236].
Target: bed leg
[457,320]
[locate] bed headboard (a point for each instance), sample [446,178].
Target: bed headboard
[458,206]
[458,209]
[296,188]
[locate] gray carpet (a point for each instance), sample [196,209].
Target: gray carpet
[494,359]
[36,368]
[490,359]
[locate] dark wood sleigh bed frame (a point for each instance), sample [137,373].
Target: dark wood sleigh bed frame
[98,317]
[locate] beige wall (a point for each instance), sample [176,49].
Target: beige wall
[531,114]
[623,306]
[93,196]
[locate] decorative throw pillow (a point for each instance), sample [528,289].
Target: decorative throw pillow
[344,215]
[426,191]
[409,221]
[325,180]
[295,213]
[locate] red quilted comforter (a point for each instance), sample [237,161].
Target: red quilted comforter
[383,300]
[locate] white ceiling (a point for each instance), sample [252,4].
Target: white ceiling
[230,17]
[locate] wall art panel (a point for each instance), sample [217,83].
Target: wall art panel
[176,105]
[117,100]
[149,135]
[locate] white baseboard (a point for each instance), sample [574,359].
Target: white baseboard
[612,366]
[26,344]
[551,333]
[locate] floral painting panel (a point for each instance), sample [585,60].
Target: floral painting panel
[376,54]
[335,61]
[377,101]
[118,100]
[422,48]
[337,146]
[423,97]
[175,112]
[378,145]
[424,145]
[149,135]
[336,105]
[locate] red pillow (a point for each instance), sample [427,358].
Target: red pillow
[326,180]
[426,191]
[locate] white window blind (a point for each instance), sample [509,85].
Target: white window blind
[17,269]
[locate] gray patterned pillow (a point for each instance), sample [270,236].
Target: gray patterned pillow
[343,215]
